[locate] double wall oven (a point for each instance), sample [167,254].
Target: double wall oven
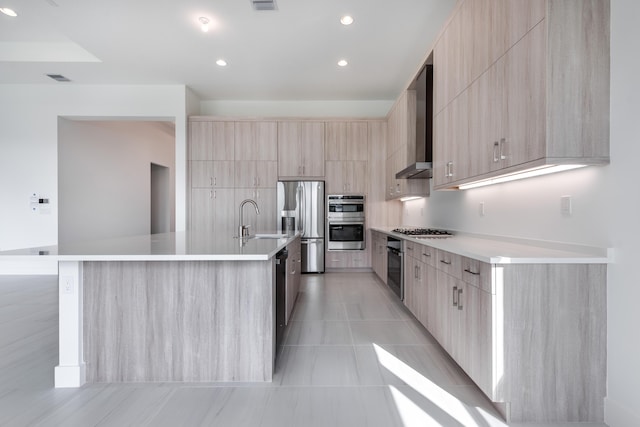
[345,222]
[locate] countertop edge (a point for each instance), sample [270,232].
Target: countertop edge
[562,254]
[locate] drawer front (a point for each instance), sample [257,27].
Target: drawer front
[428,255]
[476,273]
[412,249]
[449,263]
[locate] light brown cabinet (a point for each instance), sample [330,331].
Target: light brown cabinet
[346,141]
[212,211]
[346,177]
[294,269]
[494,320]
[214,174]
[379,255]
[256,140]
[401,128]
[256,174]
[211,140]
[529,88]
[301,149]
[265,198]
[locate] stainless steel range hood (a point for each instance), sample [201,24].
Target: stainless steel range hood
[423,155]
[418,170]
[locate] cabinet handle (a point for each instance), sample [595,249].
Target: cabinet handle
[502,144]
[496,149]
[460,299]
[429,255]
[211,181]
[445,262]
[466,270]
[450,169]
[211,194]
[409,248]
[455,296]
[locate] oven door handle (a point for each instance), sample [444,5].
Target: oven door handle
[341,223]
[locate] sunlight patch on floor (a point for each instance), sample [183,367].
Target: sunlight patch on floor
[429,390]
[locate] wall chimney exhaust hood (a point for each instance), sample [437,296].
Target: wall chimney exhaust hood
[422,168]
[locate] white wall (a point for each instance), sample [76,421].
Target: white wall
[104,176]
[368,109]
[606,213]
[28,147]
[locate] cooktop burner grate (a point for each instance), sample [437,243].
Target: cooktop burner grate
[425,232]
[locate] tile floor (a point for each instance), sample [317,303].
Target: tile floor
[353,356]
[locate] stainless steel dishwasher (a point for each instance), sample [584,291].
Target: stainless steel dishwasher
[395,257]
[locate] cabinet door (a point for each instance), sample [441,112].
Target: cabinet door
[202,211]
[524,106]
[200,137]
[441,329]
[431,290]
[458,304]
[246,174]
[312,148]
[289,149]
[334,181]
[266,199]
[223,140]
[201,174]
[357,144]
[266,173]
[356,174]
[225,211]
[477,307]
[335,137]
[256,140]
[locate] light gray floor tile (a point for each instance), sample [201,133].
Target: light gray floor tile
[308,309]
[382,332]
[318,332]
[320,366]
[374,310]
[188,406]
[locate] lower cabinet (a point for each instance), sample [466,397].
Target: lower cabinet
[379,255]
[522,332]
[294,264]
[347,259]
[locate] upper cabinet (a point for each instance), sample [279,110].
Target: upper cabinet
[520,85]
[209,140]
[256,140]
[401,134]
[347,152]
[301,149]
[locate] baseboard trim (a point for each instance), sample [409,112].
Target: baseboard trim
[616,415]
[70,376]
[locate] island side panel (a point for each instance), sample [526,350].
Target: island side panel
[179,321]
[555,342]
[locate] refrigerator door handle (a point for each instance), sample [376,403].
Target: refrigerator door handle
[303,205]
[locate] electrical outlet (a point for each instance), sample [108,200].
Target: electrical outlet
[67,285]
[565,206]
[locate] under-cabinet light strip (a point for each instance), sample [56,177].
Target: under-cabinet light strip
[543,170]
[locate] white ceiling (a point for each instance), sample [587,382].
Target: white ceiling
[287,54]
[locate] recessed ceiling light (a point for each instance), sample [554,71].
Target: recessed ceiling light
[343,63]
[204,23]
[221,63]
[8,12]
[346,20]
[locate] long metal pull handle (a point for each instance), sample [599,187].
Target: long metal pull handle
[429,255]
[502,144]
[211,194]
[466,270]
[496,149]
[445,262]
[460,299]
[304,209]
[450,169]
[211,181]
[415,271]
[299,209]
[455,296]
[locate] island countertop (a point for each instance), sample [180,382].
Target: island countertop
[177,246]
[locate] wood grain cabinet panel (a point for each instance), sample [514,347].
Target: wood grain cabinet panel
[256,140]
[294,264]
[532,337]
[218,174]
[211,140]
[537,93]
[301,150]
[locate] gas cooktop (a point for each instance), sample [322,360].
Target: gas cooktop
[423,232]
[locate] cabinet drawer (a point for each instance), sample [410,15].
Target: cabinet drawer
[476,273]
[449,263]
[427,254]
[412,249]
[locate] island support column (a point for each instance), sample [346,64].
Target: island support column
[71,370]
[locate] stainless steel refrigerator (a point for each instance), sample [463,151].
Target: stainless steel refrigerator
[300,207]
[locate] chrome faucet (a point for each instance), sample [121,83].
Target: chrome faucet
[243,230]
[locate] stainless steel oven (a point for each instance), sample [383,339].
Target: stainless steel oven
[345,223]
[395,259]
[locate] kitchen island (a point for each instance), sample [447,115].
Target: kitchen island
[174,307]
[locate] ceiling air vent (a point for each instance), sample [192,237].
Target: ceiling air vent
[58,77]
[264,4]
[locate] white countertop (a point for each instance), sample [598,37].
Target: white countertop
[495,250]
[179,246]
